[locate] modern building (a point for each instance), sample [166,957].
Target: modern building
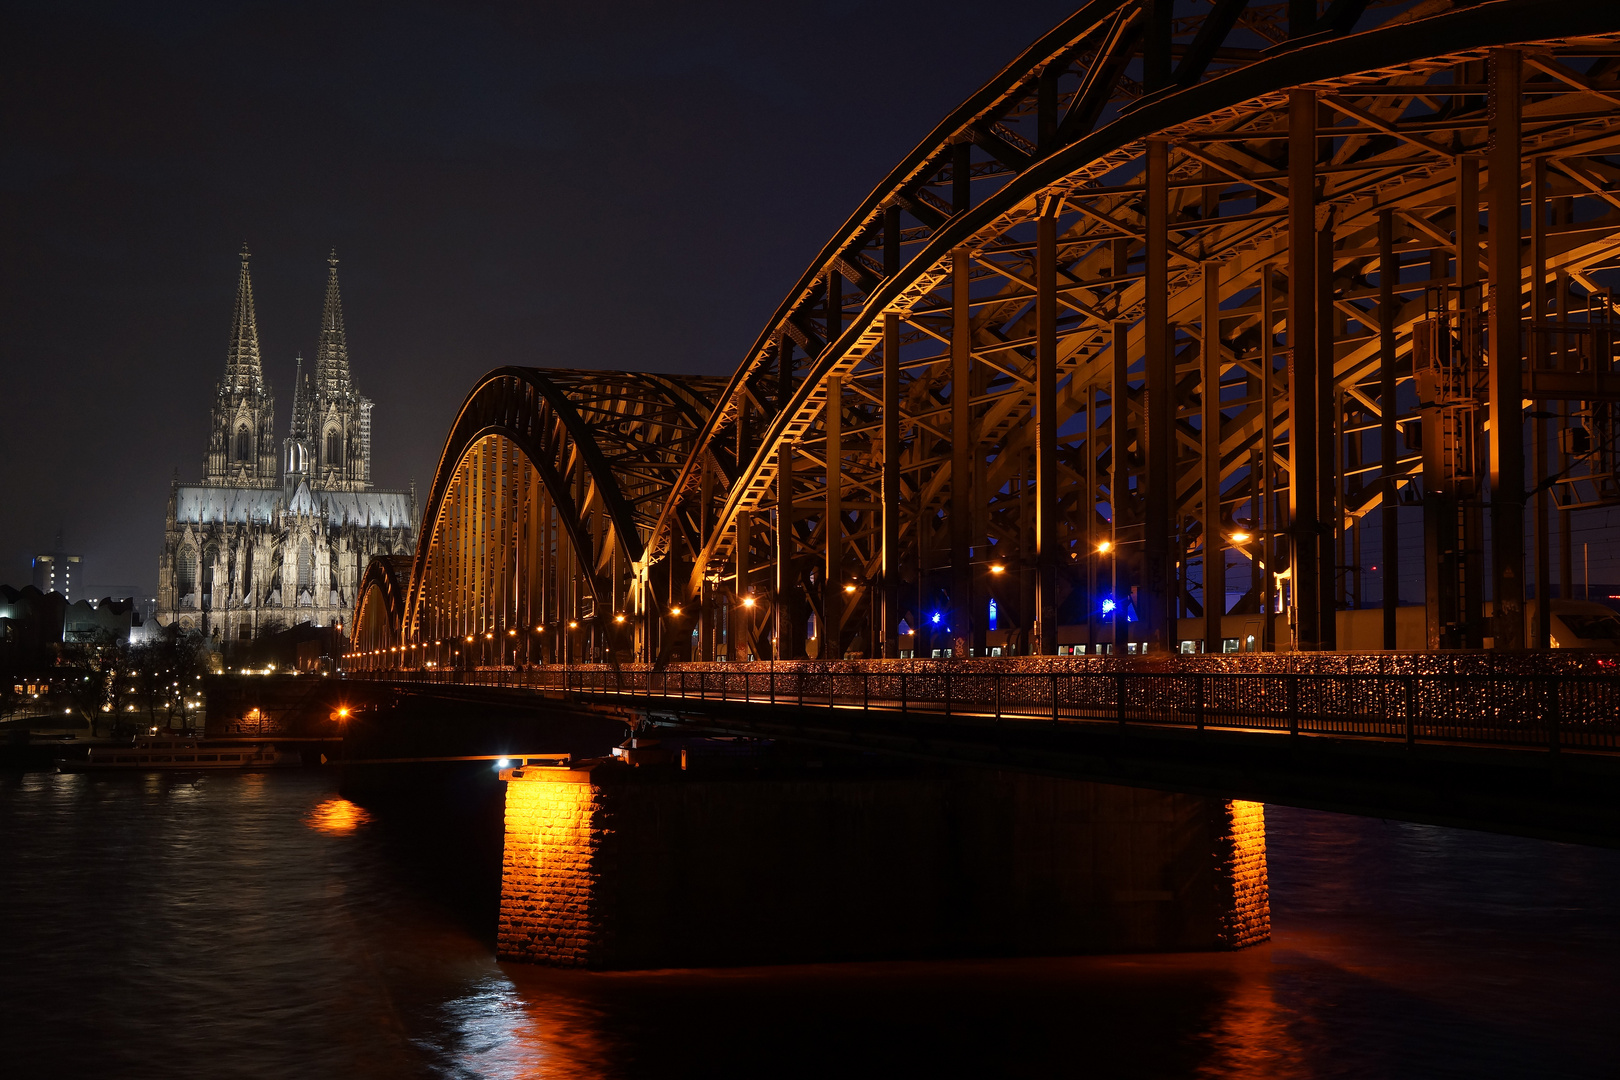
[57,571]
[260,545]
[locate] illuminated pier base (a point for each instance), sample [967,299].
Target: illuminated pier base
[610,866]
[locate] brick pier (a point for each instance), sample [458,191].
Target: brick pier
[611,866]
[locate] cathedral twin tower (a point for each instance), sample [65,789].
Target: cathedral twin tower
[267,541]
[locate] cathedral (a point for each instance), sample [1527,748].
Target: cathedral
[268,540]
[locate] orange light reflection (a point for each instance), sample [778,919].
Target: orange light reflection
[337,816]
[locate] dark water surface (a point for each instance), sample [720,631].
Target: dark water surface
[261,926]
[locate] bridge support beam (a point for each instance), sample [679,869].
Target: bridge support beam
[964,616]
[1047,555]
[1507,350]
[1302,369]
[1214,541]
[832,586]
[789,625]
[890,627]
[620,866]
[1157,434]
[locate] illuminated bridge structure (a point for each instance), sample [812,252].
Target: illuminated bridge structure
[1188,284]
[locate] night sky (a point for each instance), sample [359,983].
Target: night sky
[590,185]
[597,185]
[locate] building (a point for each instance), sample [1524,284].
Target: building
[261,545]
[57,571]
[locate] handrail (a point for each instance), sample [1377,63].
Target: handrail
[1574,712]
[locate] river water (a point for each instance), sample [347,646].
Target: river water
[262,926]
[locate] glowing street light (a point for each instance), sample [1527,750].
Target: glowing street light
[1105,547]
[1240,538]
[748,601]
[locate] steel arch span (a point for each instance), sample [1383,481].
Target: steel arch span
[1185,284]
[534,532]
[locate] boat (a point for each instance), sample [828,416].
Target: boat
[180,755]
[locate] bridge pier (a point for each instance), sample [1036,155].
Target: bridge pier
[608,865]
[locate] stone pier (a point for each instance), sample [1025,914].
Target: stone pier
[612,866]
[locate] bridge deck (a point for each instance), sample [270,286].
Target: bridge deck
[1561,712]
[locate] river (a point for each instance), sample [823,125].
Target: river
[260,925]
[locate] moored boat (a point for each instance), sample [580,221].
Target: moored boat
[180,755]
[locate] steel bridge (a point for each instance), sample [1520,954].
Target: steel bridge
[1150,330]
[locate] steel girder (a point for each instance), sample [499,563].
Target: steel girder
[549,485]
[928,422]
[1074,234]
[379,609]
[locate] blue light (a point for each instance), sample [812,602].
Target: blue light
[992,614]
[935,618]
[1108,606]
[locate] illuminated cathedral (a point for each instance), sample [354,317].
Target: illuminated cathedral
[268,540]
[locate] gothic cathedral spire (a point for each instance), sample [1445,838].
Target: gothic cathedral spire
[332,352]
[243,370]
[329,443]
[241,445]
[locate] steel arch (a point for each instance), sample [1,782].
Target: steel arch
[379,609]
[545,468]
[1089,127]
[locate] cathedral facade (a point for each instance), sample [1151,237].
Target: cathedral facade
[268,540]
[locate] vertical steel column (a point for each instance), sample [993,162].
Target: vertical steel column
[832,588]
[1507,351]
[1389,521]
[1542,637]
[1469,533]
[787,607]
[1046,476]
[1088,507]
[1119,474]
[1302,367]
[890,641]
[1562,213]
[1214,543]
[741,624]
[963,452]
[1268,440]
[1157,435]
[1329,447]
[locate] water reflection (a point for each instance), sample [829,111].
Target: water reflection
[337,816]
[213,929]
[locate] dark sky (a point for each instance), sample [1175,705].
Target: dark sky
[581,185]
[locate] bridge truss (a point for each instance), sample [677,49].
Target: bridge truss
[1186,284]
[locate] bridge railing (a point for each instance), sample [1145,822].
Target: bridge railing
[1568,711]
